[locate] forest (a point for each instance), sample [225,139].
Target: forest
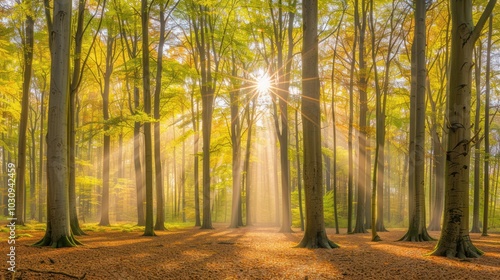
[142,139]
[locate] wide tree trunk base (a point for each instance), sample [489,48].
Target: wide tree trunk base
[381,228]
[206,227]
[149,233]
[64,241]
[320,240]
[376,238]
[160,226]
[414,236]
[475,230]
[76,230]
[462,249]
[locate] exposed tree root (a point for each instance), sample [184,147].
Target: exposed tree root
[53,272]
[414,236]
[64,241]
[320,240]
[160,226]
[206,227]
[381,228]
[75,228]
[461,249]
[376,238]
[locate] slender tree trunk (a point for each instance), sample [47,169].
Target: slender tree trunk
[417,230]
[247,177]
[377,217]
[160,205]
[75,82]
[139,180]
[236,149]
[148,151]
[107,138]
[28,42]
[363,126]
[455,240]
[40,158]
[350,182]
[195,121]
[207,90]
[183,175]
[487,132]
[477,146]
[315,233]
[299,172]
[33,206]
[282,94]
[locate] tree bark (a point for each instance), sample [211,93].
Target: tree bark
[196,161]
[160,205]
[350,182]
[363,126]
[315,233]
[148,151]
[58,231]
[107,138]
[236,150]
[477,146]
[417,230]
[299,172]
[28,42]
[487,132]
[455,240]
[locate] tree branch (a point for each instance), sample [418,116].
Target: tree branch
[482,20]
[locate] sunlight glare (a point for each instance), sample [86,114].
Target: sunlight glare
[263,83]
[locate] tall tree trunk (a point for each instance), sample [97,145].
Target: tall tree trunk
[439,156]
[139,179]
[28,41]
[201,26]
[363,126]
[58,231]
[75,82]
[417,230]
[315,233]
[477,146]
[107,138]
[160,205]
[350,182]
[40,157]
[282,95]
[378,169]
[487,132]
[236,150]
[148,151]
[196,161]
[455,240]
[183,175]
[130,46]
[246,167]
[33,125]
[299,172]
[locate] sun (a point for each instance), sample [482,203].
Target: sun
[263,83]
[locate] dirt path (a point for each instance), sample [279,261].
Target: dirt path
[246,253]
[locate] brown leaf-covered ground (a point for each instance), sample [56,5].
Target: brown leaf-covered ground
[245,253]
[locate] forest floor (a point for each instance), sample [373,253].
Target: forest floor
[244,253]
